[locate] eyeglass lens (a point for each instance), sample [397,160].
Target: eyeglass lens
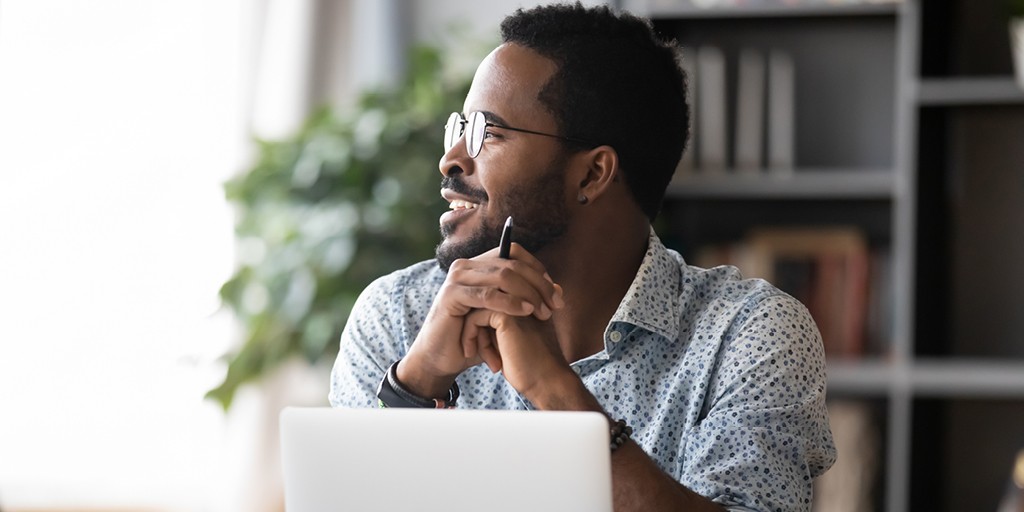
[474,128]
[452,130]
[477,125]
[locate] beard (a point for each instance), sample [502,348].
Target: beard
[538,207]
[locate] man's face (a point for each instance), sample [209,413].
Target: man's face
[517,174]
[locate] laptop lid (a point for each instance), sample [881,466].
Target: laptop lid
[444,460]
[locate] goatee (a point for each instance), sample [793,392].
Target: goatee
[538,206]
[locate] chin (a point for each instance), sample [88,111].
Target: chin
[453,247]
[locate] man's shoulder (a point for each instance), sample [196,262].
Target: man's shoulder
[704,285]
[426,271]
[668,293]
[722,297]
[726,282]
[422,277]
[401,297]
[724,292]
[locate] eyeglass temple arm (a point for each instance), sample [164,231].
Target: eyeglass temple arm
[524,130]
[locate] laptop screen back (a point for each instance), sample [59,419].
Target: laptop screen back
[444,460]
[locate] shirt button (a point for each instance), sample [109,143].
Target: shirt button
[615,336]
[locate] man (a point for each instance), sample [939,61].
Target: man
[714,385]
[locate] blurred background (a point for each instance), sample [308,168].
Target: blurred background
[120,123]
[193,193]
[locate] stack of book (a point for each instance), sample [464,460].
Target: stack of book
[831,270]
[748,133]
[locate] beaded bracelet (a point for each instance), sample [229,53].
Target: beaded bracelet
[620,434]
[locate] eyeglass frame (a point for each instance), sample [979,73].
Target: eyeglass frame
[457,117]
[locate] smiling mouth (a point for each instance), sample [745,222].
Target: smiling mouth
[461,204]
[458,210]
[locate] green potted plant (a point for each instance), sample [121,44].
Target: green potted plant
[349,198]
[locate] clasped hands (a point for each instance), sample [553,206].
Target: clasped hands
[493,311]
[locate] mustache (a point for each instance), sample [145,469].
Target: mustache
[458,186]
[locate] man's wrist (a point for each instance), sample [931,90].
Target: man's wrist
[422,383]
[564,392]
[391,393]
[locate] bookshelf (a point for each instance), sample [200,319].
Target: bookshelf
[664,9]
[952,92]
[805,184]
[909,128]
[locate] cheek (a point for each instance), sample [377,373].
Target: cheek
[518,170]
[545,189]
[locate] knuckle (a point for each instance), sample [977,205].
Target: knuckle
[506,273]
[516,266]
[458,266]
[446,288]
[485,294]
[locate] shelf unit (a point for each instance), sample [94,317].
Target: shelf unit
[909,126]
[665,9]
[929,378]
[981,91]
[793,184]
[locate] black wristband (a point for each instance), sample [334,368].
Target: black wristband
[391,393]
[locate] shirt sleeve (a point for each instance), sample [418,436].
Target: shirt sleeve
[369,344]
[766,434]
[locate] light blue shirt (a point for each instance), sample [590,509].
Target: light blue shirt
[722,378]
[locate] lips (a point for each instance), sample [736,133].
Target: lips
[458,201]
[459,206]
[453,187]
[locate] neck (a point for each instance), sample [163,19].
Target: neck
[595,269]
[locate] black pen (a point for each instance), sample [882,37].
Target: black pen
[505,247]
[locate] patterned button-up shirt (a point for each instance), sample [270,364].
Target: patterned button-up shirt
[722,378]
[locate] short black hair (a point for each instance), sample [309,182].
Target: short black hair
[618,83]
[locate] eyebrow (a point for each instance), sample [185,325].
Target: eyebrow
[491,117]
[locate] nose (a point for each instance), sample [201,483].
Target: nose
[456,160]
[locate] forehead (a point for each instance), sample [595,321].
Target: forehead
[508,83]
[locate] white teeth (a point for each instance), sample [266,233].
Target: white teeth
[460,204]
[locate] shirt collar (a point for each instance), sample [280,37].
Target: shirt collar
[653,299]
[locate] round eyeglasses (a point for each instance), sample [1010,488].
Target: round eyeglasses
[475,129]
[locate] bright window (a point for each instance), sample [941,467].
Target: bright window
[119,120]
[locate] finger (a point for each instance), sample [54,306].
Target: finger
[521,280]
[504,285]
[488,349]
[491,357]
[551,291]
[516,252]
[468,298]
[559,295]
[528,278]
[477,332]
[470,332]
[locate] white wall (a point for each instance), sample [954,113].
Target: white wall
[118,122]
[469,29]
[433,17]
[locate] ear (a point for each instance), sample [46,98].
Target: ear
[599,170]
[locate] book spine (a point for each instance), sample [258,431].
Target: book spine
[781,111]
[711,112]
[749,127]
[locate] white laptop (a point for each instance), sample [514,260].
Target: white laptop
[364,460]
